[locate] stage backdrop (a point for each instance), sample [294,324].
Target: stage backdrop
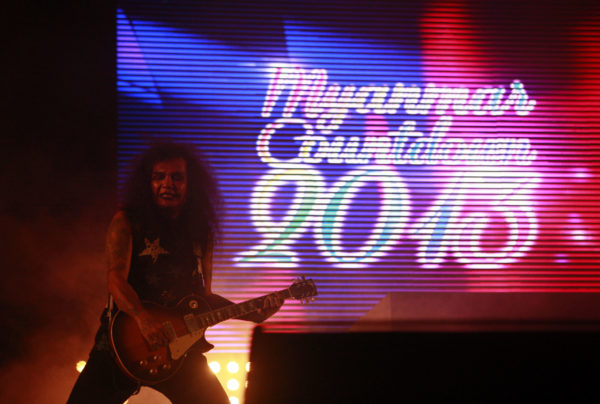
[377,147]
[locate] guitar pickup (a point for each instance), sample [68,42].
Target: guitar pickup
[191,323]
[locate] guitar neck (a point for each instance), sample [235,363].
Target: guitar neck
[213,317]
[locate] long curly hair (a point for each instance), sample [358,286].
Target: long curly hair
[201,211]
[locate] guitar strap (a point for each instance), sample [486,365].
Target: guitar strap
[110,305]
[199,269]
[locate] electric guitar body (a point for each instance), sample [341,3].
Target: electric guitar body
[186,324]
[148,364]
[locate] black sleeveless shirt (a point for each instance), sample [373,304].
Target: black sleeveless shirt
[164,266]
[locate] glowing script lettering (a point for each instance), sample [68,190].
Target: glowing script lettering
[453,224]
[328,105]
[405,146]
[333,103]
[325,210]
[277,237]
[386,230]
[490,192]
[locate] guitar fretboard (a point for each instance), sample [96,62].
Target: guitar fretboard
[213,317]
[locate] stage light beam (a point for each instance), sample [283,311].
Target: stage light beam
[80,365]
[215,367]
[233,367]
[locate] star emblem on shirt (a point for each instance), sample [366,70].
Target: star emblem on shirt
[153,249]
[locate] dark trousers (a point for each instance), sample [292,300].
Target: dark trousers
[102,382]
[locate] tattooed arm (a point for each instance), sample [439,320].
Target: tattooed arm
[118,251]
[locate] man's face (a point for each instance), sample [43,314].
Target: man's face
[169,184]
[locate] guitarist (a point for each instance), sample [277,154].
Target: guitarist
[159,249]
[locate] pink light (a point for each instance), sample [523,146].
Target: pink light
[579,235]
[581,173]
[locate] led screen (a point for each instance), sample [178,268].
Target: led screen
[377,147]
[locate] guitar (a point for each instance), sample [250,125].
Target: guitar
[186,324]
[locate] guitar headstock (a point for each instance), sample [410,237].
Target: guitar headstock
[303,289]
